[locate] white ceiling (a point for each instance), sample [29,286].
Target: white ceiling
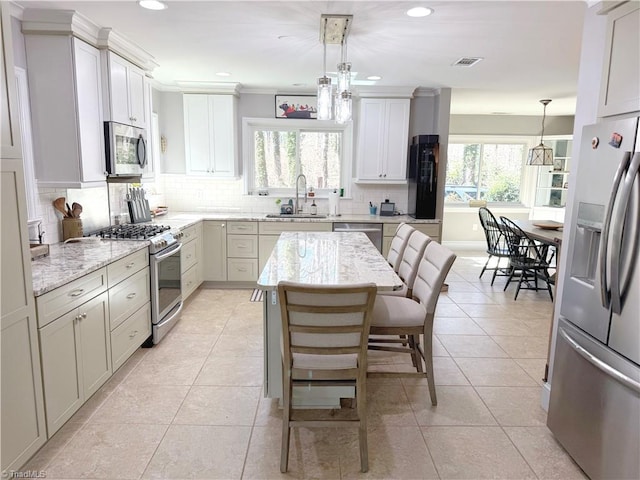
[531,49]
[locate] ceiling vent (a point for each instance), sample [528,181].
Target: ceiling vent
[467,61]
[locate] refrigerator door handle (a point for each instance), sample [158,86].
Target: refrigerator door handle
[617,232]
[604,241]
[599,364]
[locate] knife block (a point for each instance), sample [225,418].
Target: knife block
[71,228]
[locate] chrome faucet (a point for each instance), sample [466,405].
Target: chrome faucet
[298,208]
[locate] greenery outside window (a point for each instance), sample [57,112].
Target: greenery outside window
[277,151]
[485,169]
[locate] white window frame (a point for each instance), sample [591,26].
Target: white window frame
[249,127]
[529,173]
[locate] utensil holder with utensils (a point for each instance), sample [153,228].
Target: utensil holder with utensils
[71,228]
[138,205]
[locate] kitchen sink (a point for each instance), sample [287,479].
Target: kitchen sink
[294,215]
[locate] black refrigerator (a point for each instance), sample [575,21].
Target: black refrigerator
[423,176]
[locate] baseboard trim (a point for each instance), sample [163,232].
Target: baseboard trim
[545,396]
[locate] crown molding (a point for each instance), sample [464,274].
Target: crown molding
[39,21]
[426,92]
[385,92]
[109,39]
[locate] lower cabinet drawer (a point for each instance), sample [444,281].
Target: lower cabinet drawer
[189,282]
[128,296]
[129,335]
[245,246]
[188,255]
[242,269]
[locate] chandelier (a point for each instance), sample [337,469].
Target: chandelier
[541,155]
[334,30]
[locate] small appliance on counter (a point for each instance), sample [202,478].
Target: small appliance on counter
[387,209]
[37,248]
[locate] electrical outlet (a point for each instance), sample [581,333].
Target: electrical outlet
[361,197]
[474,227]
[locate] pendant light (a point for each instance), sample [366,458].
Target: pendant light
[541,155]
[334,30]
[325,93]
[343,96]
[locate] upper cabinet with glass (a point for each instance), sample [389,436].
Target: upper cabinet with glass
[553,180]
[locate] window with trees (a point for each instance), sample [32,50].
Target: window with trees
[276,153]
[485,170]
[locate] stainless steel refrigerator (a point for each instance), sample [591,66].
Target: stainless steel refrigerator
[594,410]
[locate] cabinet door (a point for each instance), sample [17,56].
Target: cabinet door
[118,91]
[137,105]
[215,251]
[61,371]
[370,138]
[196,133]
[90,127]
[10,133]
[95,343]
[222,118]
[396,139]
[620,87]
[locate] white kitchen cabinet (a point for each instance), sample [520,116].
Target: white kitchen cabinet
[210,134]
[433,230]
[214,251]
[76,359]
[125,92]
[620,86]
[9,126]
[21,403]
[153,135]
[382,140]
[65,90]
[242,251]
[190,259]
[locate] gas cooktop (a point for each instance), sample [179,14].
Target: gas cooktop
[130,231]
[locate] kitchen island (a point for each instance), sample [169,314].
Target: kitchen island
[316,258]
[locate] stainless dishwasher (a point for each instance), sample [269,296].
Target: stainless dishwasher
[372,230]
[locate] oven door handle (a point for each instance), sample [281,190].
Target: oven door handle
[164,255]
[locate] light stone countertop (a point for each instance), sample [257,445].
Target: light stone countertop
[327,258]
[69,261]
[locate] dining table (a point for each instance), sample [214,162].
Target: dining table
[315,258]
[548,232]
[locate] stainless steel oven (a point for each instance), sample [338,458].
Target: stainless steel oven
[164,257]
[166,290]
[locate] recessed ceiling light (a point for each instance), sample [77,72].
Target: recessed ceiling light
[152,4]
[374,77]
[223,74]
[419,11]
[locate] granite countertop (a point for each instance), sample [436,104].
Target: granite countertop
[69,261]
[186,219]
[327,258]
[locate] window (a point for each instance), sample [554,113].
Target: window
[277,151]
[485,170]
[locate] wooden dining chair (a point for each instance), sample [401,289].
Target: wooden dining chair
[325,331]
[397,316]
[496,243]
[408,264]
[398,244]
[528,257]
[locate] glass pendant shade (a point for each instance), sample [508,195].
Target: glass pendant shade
[344,106]
[344,77]
[325,98]
[540,155]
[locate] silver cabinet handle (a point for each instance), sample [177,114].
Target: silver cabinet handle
[76,293]
[242,269]
[133,334]
[599,364]
[131,265]
[222,226]
[131,295]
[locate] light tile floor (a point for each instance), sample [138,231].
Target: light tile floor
[192,407]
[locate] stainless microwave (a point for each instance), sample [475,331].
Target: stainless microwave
[126,149]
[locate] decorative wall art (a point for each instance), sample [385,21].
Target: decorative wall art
[296,106]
